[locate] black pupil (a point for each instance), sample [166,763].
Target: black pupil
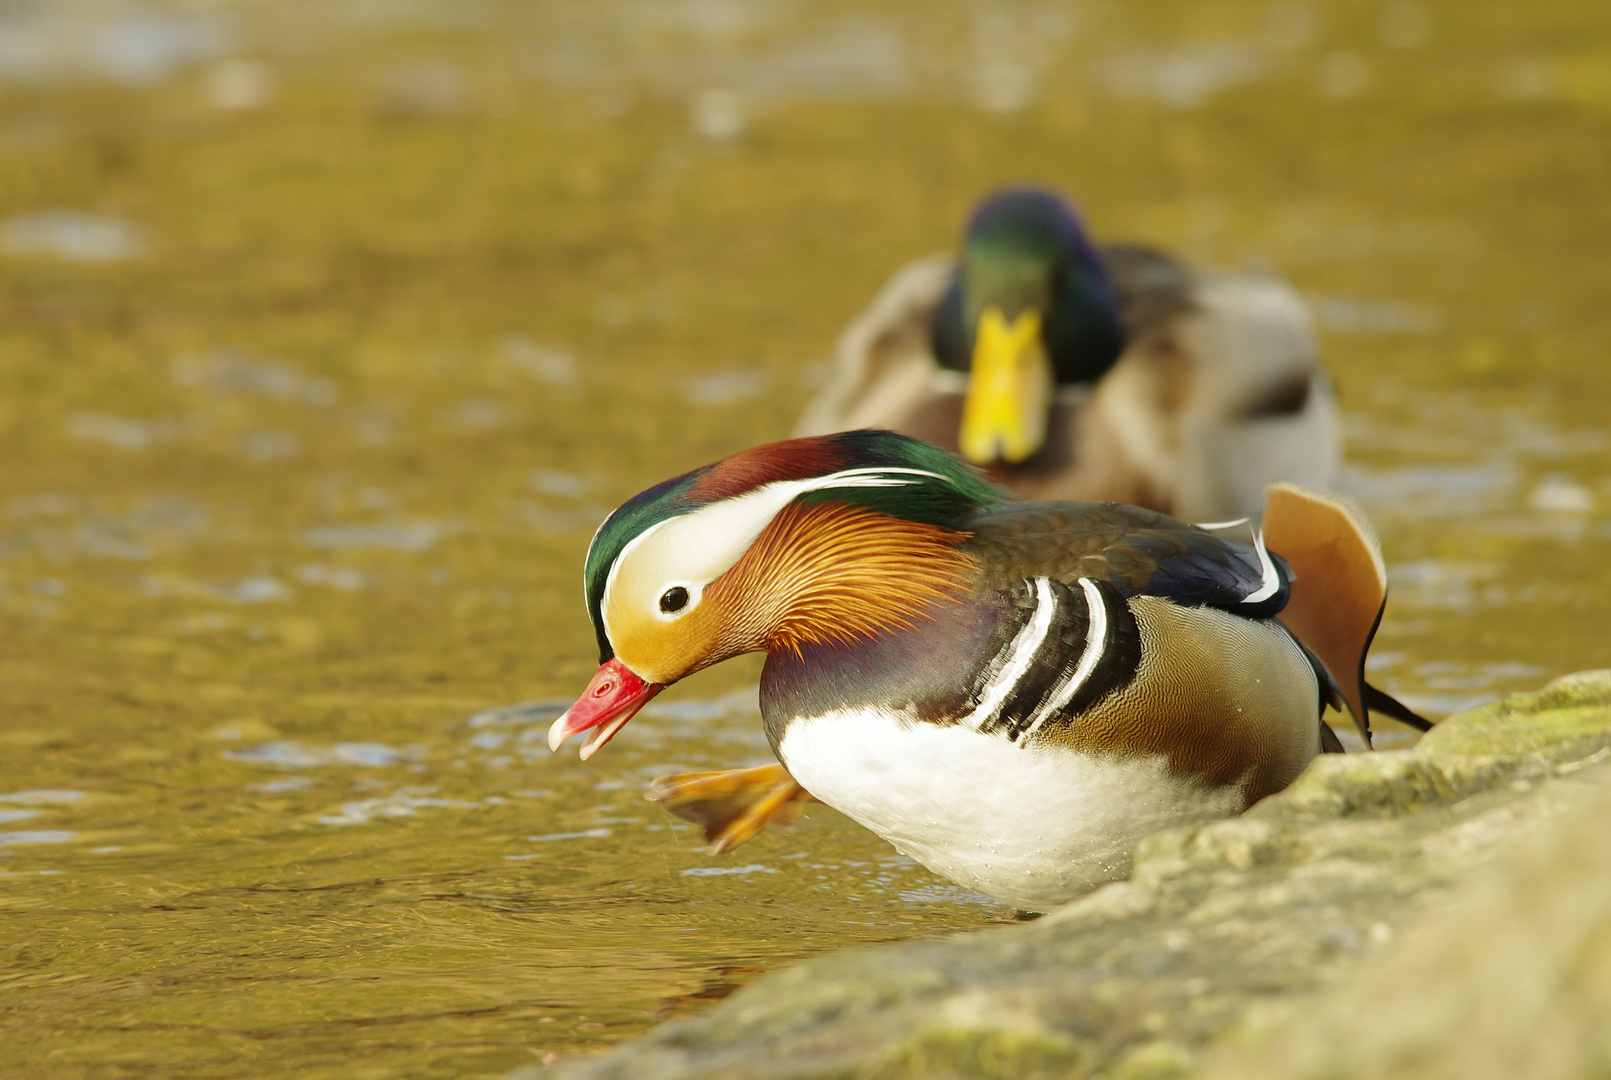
[675,599]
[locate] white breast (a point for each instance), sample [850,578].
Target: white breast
[1031,826]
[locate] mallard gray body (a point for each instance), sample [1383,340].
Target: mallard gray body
[1200,390]
[1011,693]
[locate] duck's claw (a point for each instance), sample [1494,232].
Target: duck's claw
[732,805]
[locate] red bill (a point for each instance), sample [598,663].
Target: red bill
[613,697]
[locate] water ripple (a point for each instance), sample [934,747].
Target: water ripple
[292,754]
[38,836]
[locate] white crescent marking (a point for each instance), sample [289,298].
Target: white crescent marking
[1267,571]
[1020,654]
[1096,633]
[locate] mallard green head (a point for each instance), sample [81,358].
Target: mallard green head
[826,539]
[1031,308]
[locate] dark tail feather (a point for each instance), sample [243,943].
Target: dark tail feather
[1386,704]
[1329,696]
[1329,743]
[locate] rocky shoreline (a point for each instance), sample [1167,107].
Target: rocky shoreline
[1438,911]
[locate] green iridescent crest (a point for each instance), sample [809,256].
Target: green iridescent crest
[880,470]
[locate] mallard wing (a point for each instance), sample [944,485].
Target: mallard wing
[1151,286]
[1221,392]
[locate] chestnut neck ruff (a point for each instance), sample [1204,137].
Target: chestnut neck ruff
[827,573]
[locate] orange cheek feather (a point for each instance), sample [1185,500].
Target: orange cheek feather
[817,574]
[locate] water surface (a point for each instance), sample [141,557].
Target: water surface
[328,332]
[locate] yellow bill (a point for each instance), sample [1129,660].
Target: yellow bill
[1009,390]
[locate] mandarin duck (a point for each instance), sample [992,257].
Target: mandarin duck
[1073,372]
[1011,693]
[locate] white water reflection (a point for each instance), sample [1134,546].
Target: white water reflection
[256,589]
[240,85]
[344,578]
[1557,495]
[71,235]
[283,786]
[725,387]
[405,802]
[739,704]
[127,433]
[427,88]
[104,40]
[1185,77]
[584,518]
[1363,315]
[585,834]
[43,797]
[558,483]
[396,535]
[477,414]
[1447,584]
[858,58]
[38,836]
[943,893]
[545,363]
[289,753]
[1013,47]
[64,529]
[524,715]
[229,372]
[569,489]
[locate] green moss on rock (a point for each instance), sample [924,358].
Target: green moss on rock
[1019,1053]
[1567,720]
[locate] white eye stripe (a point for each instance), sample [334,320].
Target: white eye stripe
[698,547]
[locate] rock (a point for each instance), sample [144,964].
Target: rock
[1211,956]
[1511,979]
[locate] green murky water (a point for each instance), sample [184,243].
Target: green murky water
[371,310]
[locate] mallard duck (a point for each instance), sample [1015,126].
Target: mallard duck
[1012,694]
[1071,372]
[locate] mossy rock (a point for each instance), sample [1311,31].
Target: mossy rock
[1568,720]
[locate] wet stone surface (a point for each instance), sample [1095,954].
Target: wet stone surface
[1217,925]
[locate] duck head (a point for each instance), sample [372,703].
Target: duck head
[819,540]
[1030,309]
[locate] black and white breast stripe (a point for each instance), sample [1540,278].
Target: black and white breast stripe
[1075,646]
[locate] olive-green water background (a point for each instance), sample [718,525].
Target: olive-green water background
[328,331]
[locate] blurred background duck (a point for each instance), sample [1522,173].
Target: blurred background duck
[1072,372]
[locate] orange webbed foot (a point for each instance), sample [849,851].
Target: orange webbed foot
[732,805]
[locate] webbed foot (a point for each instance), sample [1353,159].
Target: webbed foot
[732,805]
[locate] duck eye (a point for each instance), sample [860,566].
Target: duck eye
[674,600]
